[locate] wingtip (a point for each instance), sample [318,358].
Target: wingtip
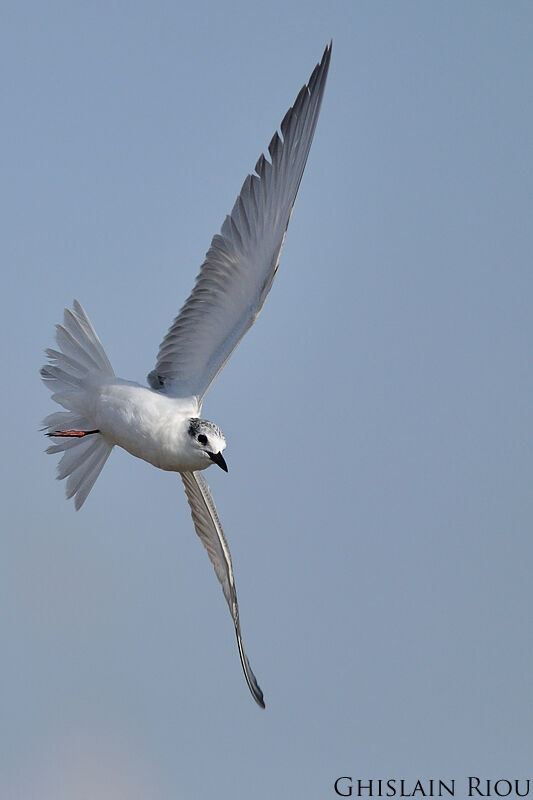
[251,680]
[257,694]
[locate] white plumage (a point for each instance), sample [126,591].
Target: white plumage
[162,424]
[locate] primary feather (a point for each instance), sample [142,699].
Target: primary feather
[241,263]
[161,425]
[209,529]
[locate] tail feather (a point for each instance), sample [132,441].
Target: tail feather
[57,357]
[73,459]
[70,346]
[84,323]
[79,325]
[68,375]
[63,421]
[86,464]
[81,349]
[90,476]
[56,377]
[64,444]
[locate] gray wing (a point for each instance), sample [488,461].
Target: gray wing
[209,529]
[240,265]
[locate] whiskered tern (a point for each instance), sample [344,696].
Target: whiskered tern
[161,423]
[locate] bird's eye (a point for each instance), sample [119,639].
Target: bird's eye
[202,438]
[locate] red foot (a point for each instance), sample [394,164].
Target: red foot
[76,434]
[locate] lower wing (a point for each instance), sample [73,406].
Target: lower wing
[209,529]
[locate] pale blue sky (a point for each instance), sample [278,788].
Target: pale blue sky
[378,503]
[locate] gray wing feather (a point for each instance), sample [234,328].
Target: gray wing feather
[241,263]
[210,531]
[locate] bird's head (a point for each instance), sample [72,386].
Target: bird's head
[207,439]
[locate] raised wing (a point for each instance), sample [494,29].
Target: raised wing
[209,529]
[241,263]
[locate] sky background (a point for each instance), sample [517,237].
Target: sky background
[378,503]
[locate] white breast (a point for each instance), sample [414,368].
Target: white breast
[147,424]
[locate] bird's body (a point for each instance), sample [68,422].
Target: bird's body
[161,423]
[146,423]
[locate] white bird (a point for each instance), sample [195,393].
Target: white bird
[162,424]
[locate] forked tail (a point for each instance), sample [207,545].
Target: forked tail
[68,376]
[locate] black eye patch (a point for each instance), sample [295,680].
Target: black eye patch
[202,438]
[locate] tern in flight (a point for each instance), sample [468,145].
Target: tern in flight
[161,423]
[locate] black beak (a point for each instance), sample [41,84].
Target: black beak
[218,458]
